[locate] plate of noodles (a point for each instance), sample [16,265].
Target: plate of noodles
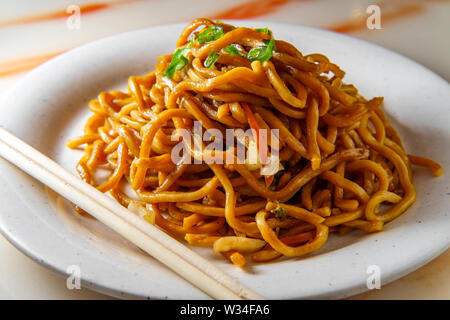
[304,163]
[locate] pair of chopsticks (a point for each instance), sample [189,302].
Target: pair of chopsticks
[185,262]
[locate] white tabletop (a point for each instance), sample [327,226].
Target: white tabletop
[31,32]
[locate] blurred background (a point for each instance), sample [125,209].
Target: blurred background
[34,31]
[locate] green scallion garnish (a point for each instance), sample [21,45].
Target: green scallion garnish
[210,34]
[211,59]
[262,53]
[179,61]
[191,41]
[279,212]
[265,30]
[233,49]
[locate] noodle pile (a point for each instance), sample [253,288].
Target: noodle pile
[340,159]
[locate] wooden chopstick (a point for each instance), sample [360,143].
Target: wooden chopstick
[185,262]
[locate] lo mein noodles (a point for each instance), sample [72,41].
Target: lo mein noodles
[339,164]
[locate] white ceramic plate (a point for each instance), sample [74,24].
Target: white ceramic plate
[49,105]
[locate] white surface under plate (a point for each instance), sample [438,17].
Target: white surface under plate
[50,105]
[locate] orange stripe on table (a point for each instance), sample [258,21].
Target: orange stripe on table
[20,65]
[251,9]
[402,11]
[59,14]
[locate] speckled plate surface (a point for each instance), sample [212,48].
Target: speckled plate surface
[49,105]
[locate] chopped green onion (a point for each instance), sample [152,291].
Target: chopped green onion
[262,53]
[279,212]
[178,62]
[271,43]
[233,49]
[210,34]
[191,40]
[211,59]
[265,30]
